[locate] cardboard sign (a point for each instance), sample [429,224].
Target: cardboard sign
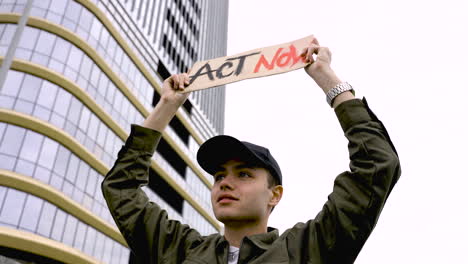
[251,64]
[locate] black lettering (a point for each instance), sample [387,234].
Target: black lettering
[200,72]
[240,67]
[219,71]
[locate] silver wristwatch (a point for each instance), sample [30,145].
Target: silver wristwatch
[338,89]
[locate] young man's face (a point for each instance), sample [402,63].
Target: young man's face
[240,193]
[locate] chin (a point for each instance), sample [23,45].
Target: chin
[227,217]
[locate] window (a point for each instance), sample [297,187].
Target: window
[80,235]
[61,163]
[45,43]
[70,229]
[58,6]
[93,181]
[72,168]
[47,95]
[46,219]
[63,102]
[12,83]
[12,140]
[48,153]
[61,50]
[42,174]
[31,146]
[90,239]
[30,88]
[31,213]
[74,58]
[12,207]
[82,175]
[165,191]
[31,39]
[75,110]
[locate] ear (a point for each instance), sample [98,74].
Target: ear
[277,193]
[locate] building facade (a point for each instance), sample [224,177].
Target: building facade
[78,73]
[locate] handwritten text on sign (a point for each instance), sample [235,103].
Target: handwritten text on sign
[256,63]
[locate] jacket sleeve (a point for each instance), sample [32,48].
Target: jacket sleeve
[151,236]
[346,220]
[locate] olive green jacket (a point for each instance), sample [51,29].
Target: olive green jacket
[336,235]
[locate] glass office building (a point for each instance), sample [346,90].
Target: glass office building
[81,72]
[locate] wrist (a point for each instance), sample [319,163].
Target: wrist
[326,79]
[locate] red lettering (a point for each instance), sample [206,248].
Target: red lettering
[280,60]
[294,55]
[264,62]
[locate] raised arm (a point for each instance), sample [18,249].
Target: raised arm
[148,231]
[340,230]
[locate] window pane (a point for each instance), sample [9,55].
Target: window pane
[93,125]
[28,38]
[70,229]
[107,250]
[75,111]
[48,153]
[80,235]
[58,6]
[7,163]
[12,83]
[8,35]
[31,146]
[63,102]
[90,240]
[24,168]
[31,212]
[61,50]
[73,11]
[23,106]
[47,217]
[45,43]
[85,114]
[99,247]
[72,168]
[30,88]
[74,59]
[59,223]
[47,94]
[92,182]
[82,175]
[61,163]
[12,140]
[42,174]
[12,207]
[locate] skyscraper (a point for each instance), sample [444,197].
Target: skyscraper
[81,72]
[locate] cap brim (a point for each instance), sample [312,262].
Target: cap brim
[220,149]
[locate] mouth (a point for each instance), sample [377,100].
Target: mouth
[226,198]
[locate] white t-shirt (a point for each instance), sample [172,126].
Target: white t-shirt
[233,255]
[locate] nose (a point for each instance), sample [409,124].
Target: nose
[226,183]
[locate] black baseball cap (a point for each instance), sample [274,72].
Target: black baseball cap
[219,149]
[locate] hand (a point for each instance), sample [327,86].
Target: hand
[173,87]
[171,100]
[319,68]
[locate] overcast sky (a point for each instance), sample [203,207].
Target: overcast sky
[410,60]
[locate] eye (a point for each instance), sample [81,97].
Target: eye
[244,174]
[218,177]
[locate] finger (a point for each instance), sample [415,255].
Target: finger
[186,78]
[303,52]
[324,52]
[175,84]
[315,41]
[313,49]
[181,81]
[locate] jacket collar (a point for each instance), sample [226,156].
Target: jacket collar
[262,241]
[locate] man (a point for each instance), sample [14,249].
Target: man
[247,186]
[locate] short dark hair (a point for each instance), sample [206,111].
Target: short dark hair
[272,181]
